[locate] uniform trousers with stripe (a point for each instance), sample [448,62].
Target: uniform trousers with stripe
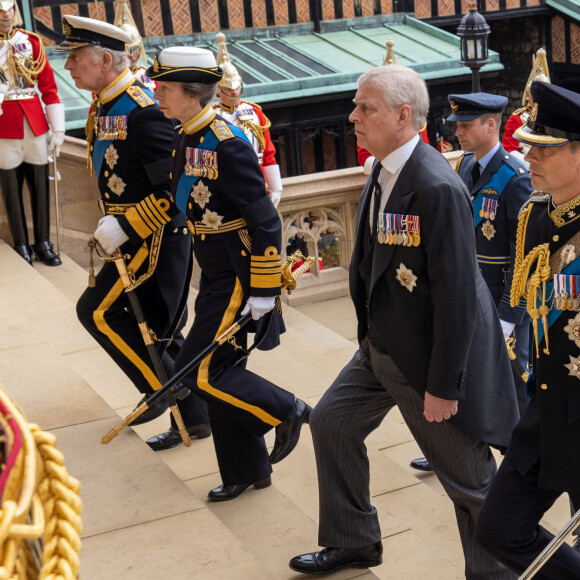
[353,407]
[242,405]
[106,313]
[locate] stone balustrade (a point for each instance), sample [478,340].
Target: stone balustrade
[318,210]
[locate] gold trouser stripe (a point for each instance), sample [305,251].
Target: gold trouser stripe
[120,344]
[203,374]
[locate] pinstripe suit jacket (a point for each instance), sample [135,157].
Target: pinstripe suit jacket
[443,334]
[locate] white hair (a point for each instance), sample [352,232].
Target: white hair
[119,57]
[400,86]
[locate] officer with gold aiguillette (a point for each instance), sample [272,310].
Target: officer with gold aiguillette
[25,140]
[218,185]
[129,149]
[543,457]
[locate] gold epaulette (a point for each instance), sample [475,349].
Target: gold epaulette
[221,130]
[265,271]
[250,103]
[140,96]
[520,111]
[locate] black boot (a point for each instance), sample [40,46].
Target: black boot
[37,180]
[11,181]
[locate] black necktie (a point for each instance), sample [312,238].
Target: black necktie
[475,172]
[377,192]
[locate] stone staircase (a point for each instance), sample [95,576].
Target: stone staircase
[145,514]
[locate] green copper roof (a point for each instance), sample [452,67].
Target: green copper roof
[570,8]
[291,62]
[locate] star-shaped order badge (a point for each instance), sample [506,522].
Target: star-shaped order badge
[488,230]
[116,184]
[574,366]
[200,193]
[211,219]
[111,156]
[573,329]
[406,277]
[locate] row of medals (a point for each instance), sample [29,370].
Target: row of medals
[565,302]
[208,171]
[391,238]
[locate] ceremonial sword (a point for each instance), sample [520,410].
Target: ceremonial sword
[288,282]
[148,338]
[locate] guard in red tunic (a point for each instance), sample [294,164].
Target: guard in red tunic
[25,137]
[249,118]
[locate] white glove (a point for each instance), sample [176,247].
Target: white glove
[275,197]
[110,234]
[274,182]
[56,140]
[508,328]
[259,305]
[368,166]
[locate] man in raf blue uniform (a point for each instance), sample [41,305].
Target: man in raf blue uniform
[129,148]
[543,457]
[499,185]
[219,187]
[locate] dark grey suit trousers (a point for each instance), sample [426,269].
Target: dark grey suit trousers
[363,393]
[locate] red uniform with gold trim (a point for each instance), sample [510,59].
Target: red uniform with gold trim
[514,122]
[250,118]
[25,45]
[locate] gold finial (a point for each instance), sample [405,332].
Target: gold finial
[390,56]
[539,72]
[124,20]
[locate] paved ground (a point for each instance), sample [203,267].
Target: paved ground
[146,515]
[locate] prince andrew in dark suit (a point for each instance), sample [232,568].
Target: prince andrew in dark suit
[430,340]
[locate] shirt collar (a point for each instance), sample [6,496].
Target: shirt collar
[487,157]
[118,86]
[397,158]
[201,120]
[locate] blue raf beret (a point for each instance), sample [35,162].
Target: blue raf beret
[472,105]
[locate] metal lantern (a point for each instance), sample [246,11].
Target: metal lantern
[473,31]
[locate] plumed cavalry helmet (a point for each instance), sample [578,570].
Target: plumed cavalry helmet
[539,72]
[16,19]
[124,20]
[231,78]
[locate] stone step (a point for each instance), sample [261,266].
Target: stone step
[146,515]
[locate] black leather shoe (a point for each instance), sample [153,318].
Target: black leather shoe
[44,253]
[25,251]
[172,438]
[288,432]
[421,464]
[333,559]
[227,492]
